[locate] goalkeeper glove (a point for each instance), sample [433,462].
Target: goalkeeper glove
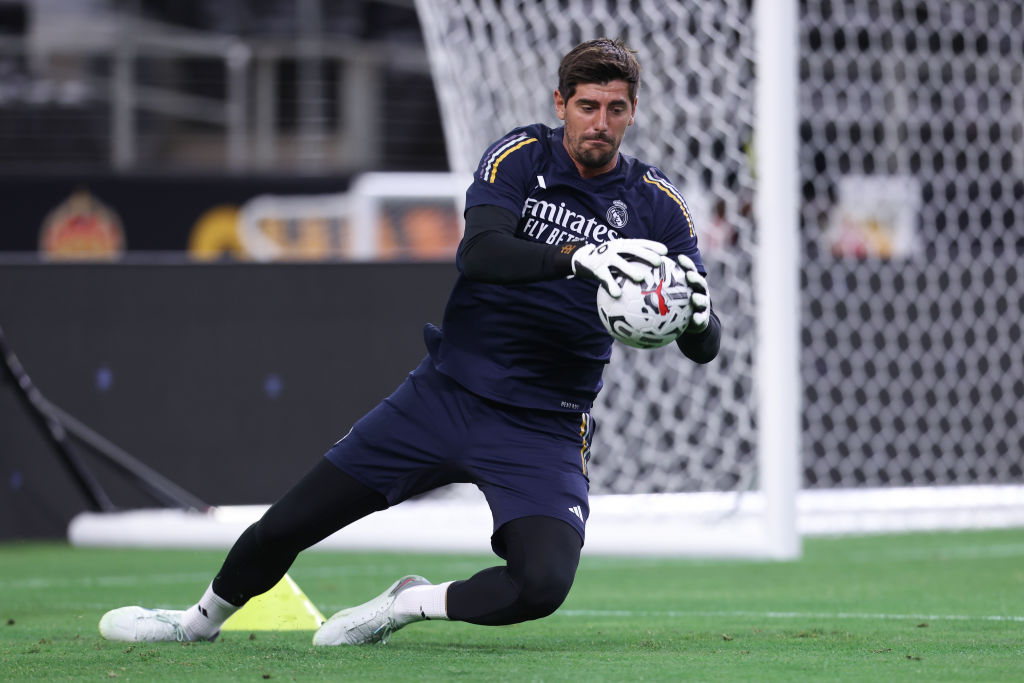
[700,298]
[595,261]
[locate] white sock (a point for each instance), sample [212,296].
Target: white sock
[203,620]
[422,602]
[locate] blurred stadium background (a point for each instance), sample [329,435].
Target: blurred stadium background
[175,110]
[134,137]
[204,257]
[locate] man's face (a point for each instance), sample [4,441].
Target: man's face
[596,118]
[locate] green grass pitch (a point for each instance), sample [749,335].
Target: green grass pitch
[921,607]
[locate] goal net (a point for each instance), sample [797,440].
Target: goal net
[665,426]
[909,192]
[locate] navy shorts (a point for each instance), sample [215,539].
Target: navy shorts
[431,432]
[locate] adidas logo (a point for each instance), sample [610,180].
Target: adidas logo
[578,511]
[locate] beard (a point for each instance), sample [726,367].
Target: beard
[595,157]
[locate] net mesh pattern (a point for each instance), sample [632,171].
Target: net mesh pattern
[911,163]
[912,361]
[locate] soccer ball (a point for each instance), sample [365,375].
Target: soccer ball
[650,313]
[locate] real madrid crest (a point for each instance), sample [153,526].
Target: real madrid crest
[617,216]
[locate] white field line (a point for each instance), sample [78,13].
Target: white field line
[673,614]
[868,616]
[947,552]
[204,578]
[103,581]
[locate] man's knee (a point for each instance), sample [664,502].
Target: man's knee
[544,589]
[543,553]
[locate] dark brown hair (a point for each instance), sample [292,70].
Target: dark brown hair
[599,61]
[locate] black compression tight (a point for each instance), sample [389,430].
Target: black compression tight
[323,501]
[542,552]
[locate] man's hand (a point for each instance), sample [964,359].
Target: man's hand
[700,298]
[595,261]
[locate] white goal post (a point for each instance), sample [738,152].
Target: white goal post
[349,225]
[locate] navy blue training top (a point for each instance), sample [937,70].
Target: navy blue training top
[541,344]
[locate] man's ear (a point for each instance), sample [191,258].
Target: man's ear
[559,105]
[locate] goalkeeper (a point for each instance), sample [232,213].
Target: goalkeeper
[503,397]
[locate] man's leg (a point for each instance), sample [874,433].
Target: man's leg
[322,502]
[542,553]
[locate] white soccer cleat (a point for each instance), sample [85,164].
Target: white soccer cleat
[371,622]
[140,625]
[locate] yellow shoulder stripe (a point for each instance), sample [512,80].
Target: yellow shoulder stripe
[674,197]
[494,168]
